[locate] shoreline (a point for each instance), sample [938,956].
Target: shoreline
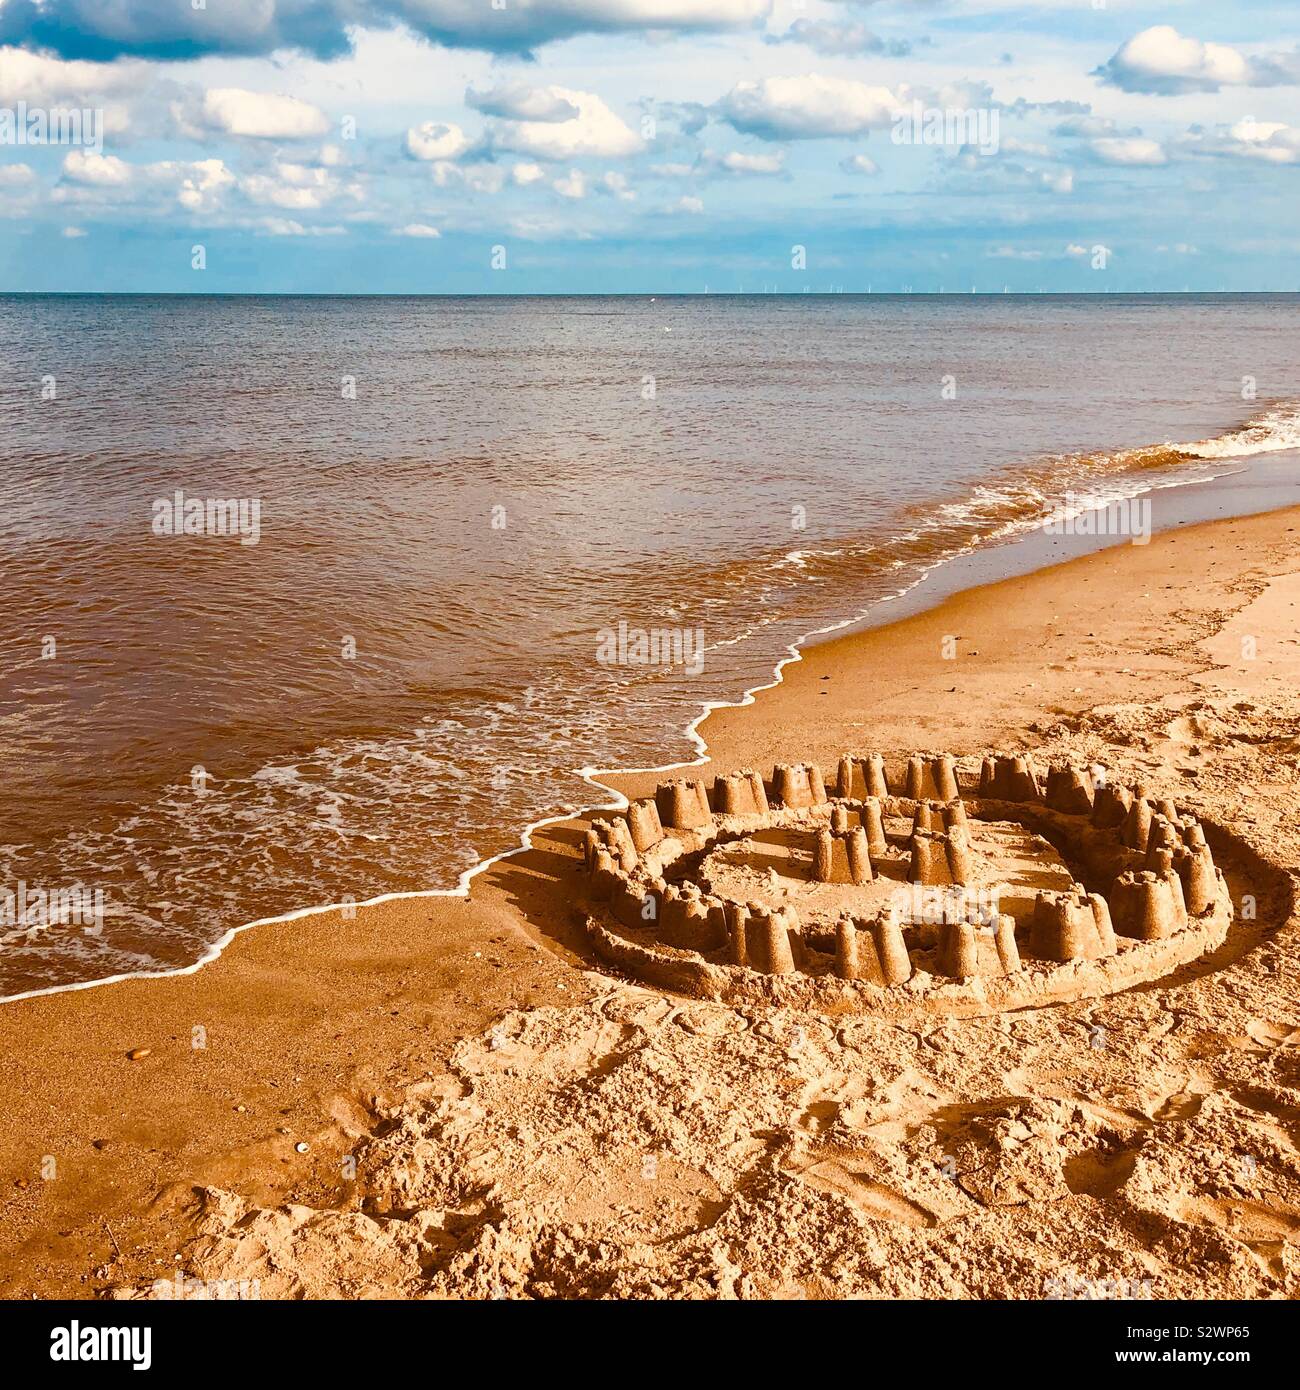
[983,557]
[341,1029]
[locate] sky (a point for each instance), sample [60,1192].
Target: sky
[651,146]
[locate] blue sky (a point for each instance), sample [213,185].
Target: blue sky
[522,146]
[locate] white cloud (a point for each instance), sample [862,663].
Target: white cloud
[1010,253]
[261,115]
[1267,142]
[100,170]
[1128,150]
[519,102]
[478,178]
[202,184]
[294,187]
[859,164]
[436,140]
[73,233]
[51,82]
[573,185]
[689,204]
[594,131]
[1056,180]
[833,40]
[286,226]
[1010,145]
[735,162]
[525,173]
[806,108]
[614,183]
[419,230]
[16,175]
[1162,61]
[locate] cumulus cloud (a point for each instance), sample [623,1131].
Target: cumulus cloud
[527,172]
[859,164]
[174,30]
[419,230]
[519,102]
[1011,253]
[286,226]
[261,115]
[1267,142]
[480,177]
[594,131]
[736,162]
[807,108]
[294,187]
[49,82]
[100,170]
[1162,61]
[836,40]
[436,140]
[1128,150]
[572,185]
[73,233]
[689,204]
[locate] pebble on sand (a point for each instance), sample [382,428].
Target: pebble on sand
[138,1054]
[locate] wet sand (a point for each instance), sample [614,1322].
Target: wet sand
[412,1046]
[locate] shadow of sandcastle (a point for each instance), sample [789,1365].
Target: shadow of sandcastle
[898,892]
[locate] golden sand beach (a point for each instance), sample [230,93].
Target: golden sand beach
[450,1097]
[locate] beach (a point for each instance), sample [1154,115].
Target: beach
[444,1097]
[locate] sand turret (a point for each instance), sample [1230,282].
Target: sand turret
[851,778]
[934,777]
[873,822]
[958,950]
[891,948]
[775,955]
[683,805]
[1064,927]
[877,781]
[1110,806]
[1004,938]
[1008,779]
[1200,881]
[739,794]
[1069,791]
[1106,943]
[798,785]
[1142,906]
[961,864]
[644,825]
[1137,824]
[928,864]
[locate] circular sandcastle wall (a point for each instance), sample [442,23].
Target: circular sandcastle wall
[903,891]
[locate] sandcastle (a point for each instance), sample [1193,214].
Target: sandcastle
[914,887]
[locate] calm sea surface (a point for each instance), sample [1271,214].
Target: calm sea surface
[454,497]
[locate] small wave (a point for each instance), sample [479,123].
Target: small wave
[1277,429]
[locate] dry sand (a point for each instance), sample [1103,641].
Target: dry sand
[488,1116]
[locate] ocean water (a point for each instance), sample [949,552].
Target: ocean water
[456,502]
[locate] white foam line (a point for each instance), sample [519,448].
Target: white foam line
[589,775]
